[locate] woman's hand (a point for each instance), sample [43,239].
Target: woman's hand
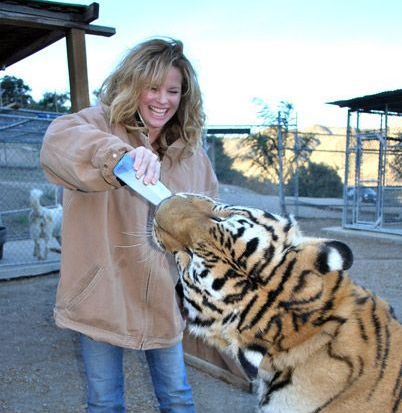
[146,164]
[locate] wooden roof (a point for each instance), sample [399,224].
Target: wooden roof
[390,102]
[27,26]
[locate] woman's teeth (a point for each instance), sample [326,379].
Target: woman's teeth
[158,111]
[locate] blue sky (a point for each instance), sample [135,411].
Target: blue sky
[304,52]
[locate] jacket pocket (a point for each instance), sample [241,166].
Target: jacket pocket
[101,304]
[85,287]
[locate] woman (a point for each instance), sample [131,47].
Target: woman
[116,289]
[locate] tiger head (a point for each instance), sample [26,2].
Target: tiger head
[237,264]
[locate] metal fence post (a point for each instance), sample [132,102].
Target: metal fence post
[280,164]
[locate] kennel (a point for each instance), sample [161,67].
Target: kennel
[373,163]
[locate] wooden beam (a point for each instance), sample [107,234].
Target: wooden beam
[228,131]
[77,69]
[92,13]
[46,40]
[23,20]
[87,14]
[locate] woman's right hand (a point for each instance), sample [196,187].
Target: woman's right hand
[146,164]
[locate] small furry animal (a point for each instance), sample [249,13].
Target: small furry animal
[44,224]
[284,307]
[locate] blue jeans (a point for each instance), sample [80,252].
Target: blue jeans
[104,371]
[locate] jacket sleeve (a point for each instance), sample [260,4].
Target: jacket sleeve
[79,151]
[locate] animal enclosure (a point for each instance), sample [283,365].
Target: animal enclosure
[21,135]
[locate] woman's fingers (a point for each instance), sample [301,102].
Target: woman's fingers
[151,170]
[137,155]
[153,177]
[146,164]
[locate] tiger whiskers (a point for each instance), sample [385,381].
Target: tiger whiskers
[140,244]
[148,258]
[146,233]
[154,256]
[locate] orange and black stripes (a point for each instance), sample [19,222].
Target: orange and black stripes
[254,286]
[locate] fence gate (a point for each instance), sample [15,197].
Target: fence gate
[367,194]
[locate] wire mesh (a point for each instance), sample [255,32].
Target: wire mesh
[21,135]
[374,175]
[370,165]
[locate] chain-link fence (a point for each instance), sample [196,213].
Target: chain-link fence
[21,135]
[306,173]
[310,181]
[303,168]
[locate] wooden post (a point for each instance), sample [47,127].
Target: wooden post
[77,69]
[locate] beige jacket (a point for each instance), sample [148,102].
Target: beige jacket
[115,285]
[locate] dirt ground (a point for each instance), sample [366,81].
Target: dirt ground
[40,367]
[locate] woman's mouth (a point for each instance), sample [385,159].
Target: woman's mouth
[159,112]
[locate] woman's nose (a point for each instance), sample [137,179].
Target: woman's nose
[162,96]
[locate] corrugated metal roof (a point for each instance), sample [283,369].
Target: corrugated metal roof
[390,101]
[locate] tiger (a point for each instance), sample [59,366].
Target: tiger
[283,306]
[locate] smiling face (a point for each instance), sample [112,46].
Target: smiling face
[158,104]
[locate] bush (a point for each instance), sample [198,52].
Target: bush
[227,175]
[223,163]
[319,180]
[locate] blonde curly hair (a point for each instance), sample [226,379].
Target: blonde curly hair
[146,65]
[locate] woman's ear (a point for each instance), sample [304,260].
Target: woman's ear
[333,256]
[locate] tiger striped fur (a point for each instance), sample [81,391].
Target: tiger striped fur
[284,307]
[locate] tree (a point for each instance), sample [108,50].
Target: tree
[223,164]
[263,147]
[53,102]
[13,90]
[278,149]
[319,180]
[227,174]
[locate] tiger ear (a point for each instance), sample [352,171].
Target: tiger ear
[333,256]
